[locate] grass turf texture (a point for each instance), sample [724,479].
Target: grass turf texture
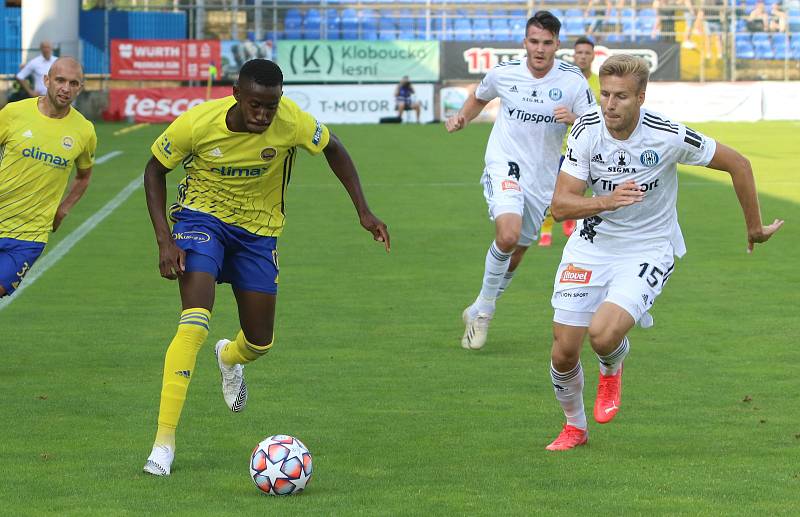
[367,369]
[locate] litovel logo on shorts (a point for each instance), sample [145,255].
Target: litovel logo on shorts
[575,275]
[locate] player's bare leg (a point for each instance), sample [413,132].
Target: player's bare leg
[197,298]
[477,316]
[607,335]
[256,317]
[566,374]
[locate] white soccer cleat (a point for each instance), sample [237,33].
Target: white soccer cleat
[159,463]
[476,331]
[234,389]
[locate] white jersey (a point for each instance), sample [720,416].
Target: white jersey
[650,157]
[38,68]
[526,139]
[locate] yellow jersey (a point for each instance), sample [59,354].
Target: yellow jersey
[594,85]
[239,178]
[37,156]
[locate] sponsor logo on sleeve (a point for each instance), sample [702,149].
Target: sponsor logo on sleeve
[317,134]
[510,185]
[575,275]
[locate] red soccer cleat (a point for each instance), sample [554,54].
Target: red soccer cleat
[545,239]
[569,438]
[568,226]
[609,395]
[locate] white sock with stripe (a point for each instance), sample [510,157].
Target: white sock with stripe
[496,267]
[609,364]
[569,393]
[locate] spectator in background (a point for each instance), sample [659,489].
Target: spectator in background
[777,18]
[406,100]
[757,19]
[36,69]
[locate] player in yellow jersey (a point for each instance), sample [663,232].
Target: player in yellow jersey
[583,58]
[238,153]
[41,139]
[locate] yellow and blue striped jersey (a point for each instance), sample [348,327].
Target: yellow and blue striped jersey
[239,178]
[38,153]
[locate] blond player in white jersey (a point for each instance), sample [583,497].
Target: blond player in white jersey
[617,262]
[539,98]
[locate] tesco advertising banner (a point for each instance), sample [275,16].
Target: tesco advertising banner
[157,104]
[180,60]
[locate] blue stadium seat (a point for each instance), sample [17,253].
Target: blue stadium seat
[574,26]
[743,37]
[615,38]
[481,30]
[333,24]
[462,29]
[760,37]
[745,51]
[763,50]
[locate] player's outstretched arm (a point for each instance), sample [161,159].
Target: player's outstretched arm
[732,162]
[569,201]
[472,108]
[342,165]
[76,190]
[171,259]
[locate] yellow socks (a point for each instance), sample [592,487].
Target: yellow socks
[178,368]
[547,225]
[241,351]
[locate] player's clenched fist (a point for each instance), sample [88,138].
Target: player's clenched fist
[625,194]
[455,123]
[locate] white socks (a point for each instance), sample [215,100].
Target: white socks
[609,364]
[493,278]
[569,393]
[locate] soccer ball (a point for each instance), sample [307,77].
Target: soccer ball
[280,465]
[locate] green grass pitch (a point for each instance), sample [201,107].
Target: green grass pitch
[367,369]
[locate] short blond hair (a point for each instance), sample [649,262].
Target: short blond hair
[620,65]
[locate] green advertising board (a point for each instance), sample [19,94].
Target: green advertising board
[358,61]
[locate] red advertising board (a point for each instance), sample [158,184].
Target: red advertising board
[157,104]
[182,60]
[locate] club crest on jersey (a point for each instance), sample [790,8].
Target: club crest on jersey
[649,158]
[268,153]
[575,275]
[67,142]
[555,94]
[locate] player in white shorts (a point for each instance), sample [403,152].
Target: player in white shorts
[616,263]
[539,97]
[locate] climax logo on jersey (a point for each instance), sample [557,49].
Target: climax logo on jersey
[67,142]
[575,275]
[268,153]
[510,185]
[649,158]
[191,236]
[555,94]
[237,171]
[52,159]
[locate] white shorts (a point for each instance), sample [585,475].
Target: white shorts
[507,195]
[588,277]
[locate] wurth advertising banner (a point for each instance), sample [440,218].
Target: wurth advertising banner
[180,60]
[157,104]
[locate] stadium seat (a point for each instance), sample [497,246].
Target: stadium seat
[462,29]
[743,37]
[312,25]
[764,51]
[481,30]
[333,24]
[745,51]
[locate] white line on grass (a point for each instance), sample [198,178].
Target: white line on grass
[61,249]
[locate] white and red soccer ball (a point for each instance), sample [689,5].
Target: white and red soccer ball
[281,465]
